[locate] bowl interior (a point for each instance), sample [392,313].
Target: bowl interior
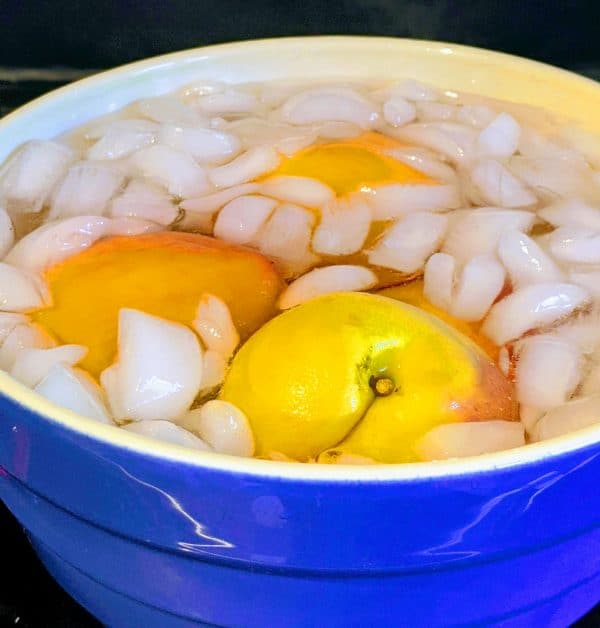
[446,65]
[451,66]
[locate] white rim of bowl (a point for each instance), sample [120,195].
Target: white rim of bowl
[112,435]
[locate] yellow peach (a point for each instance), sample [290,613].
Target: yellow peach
[361,373]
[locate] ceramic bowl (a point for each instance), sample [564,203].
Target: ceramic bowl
[149,534]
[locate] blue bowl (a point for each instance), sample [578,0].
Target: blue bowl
[145,539]
[145,533]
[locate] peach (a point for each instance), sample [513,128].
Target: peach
[362,375]
[163,274]
[351,165]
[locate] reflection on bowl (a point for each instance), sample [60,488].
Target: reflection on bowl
[158,535]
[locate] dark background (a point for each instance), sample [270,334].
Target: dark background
[98,34]
[73,38]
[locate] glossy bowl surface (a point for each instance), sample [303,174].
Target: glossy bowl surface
[144,533]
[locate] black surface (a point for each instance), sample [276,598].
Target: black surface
[44,34]
[103,32]
[29,598]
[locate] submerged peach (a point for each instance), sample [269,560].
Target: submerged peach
[353,165]
[363,373]
[163,274]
